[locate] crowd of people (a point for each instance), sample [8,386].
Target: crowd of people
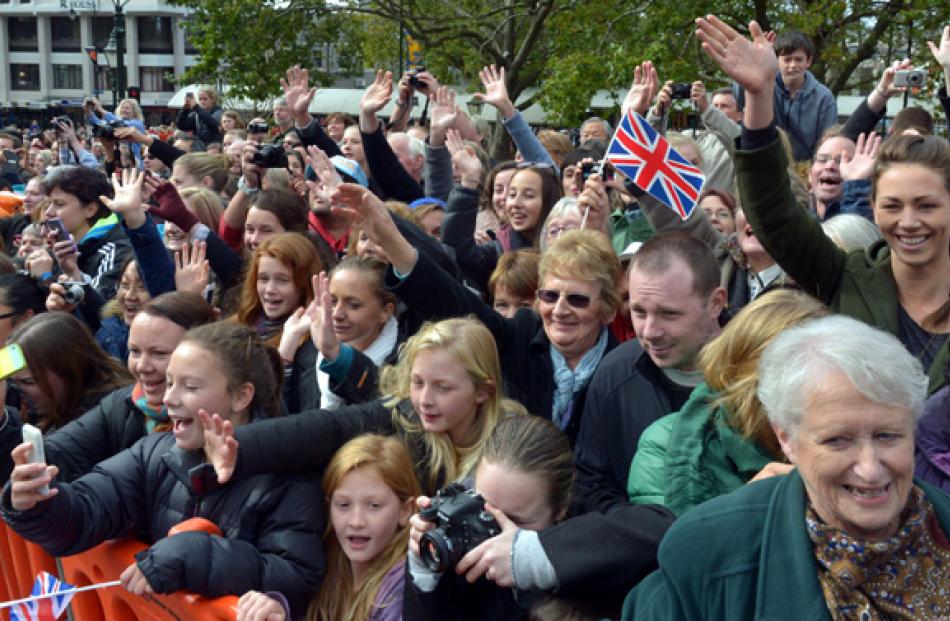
[406,381]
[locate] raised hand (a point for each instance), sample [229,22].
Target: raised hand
[220,446]
[191,268]
[295,327]
[321,318]
[861,164]
[642,90]
[377,94]
[496,91]
[885,86]
[326,172]
[444,111]
[128,197]
[594,204]
[942,52]
[664,99]
[298,92]
[27,479]
[752,64]
[466,162]
[697,93]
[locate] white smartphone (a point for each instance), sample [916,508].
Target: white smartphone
[37,456]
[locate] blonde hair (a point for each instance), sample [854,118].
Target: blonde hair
[205,204]
[136,109]
[339,598]
[585,255]
[201,165]
[556,144]
[210,92]
[730,362]
[473,347]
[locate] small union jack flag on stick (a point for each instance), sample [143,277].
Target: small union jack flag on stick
[649,161]
[48,608]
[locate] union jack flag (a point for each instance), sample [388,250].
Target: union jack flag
[48,608]
[649,161]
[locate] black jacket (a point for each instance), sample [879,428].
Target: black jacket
[102,253]
[523,347]
[272,526]
[627,393]
[205,125]
[300,390]
[394,181]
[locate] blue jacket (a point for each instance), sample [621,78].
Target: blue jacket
[113,337]
[806,116]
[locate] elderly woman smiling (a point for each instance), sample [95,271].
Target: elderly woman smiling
[849,534]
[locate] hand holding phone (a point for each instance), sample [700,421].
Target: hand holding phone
[34,437]
[55,225]
[11,361]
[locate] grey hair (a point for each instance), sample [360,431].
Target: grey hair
[851,232]
[604,122]
[566,206]
[878,366]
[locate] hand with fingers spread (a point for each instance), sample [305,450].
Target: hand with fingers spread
[255,606]
[321,319]
[751,63]
[374,99]
[296,327]
[191,268]
[444,114]
[496,91]
[365,210]
[861,164]
[221,448]
[127,202]
[492,558]
[465,161]
[169,204]
[26,480]
[942,52]
[642,90]
[326,172]
[298,93]
[135,581]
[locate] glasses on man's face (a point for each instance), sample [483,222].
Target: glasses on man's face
[555,231]
[574,300]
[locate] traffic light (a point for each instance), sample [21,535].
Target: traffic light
[135,93]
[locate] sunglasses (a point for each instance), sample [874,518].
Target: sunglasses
[574,300]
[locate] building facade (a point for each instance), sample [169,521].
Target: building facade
[48,67]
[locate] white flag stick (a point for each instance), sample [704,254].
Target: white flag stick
[33,598]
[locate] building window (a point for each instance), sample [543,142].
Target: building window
[104,77]
[67,77]
[22,34]
[155,35]
[64,33]
[25,77]
[155,79]
[101,29]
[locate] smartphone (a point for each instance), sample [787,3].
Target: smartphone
[56,225]
[37,456]
[11,360]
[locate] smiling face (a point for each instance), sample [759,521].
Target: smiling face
[174,237]
[259,226]
[132,293]
[444,394]
[365,514]
[718,214]
[276,289]
[671,320]
[855,456]
[824,177]
[522,496]
[151,343]
[759,259]
[572,329]
[358,315]
[335,130]
[508,304]
[352,145]
[912,209]
[524,202]
[499,194]
[195,380]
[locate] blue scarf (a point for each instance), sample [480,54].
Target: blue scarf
[568,383]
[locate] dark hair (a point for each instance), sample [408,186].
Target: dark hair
[534,445]
[183,308]
[244,358]
[726,197]
[793,40]
[375,270]
[517,272]
[488,190]
[343,117]
[913,117]
[61,344]
[22,293]
[286,206]
[86,184]
[592,149]
[17,143]
[726,90]
[657,254]
[551,191]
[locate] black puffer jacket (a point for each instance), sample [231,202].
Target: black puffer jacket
[102,254]
[272,525]
[112,426]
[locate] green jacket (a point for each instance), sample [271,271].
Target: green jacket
[859,283]
[691,456]
[745,555]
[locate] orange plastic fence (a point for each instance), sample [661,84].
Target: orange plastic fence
[20,561]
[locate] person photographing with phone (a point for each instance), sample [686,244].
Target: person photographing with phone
[202,116]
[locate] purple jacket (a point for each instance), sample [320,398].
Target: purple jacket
[932,459]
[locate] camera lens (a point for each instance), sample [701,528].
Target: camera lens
[438,552]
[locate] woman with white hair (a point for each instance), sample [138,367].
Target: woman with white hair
[849,533]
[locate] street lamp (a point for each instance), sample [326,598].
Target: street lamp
[116,46]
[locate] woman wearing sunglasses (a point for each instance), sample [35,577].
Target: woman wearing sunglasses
[548,353]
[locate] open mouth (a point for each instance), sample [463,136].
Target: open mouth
[357,542]
[868,493]
[181,424]
[829,182]
[912,241]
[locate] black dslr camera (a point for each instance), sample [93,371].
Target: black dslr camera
[107,129]
[463,523]
[270,156]
[414,80]
[681,90]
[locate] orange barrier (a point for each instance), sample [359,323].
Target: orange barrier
[21,561]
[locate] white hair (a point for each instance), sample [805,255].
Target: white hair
[851,232]
[566,206]
[878,366]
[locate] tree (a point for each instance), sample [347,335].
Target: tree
[248,43]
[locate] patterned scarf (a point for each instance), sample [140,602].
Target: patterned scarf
[268,328]
[903,577]
[155,420]
[568,383]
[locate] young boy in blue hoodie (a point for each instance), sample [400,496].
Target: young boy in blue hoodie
[804,107]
